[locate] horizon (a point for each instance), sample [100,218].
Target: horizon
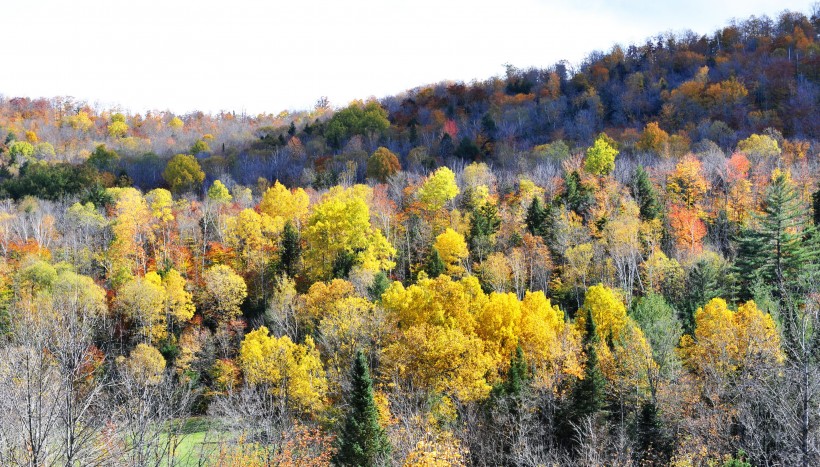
[244,63]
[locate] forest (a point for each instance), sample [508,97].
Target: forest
[611,264]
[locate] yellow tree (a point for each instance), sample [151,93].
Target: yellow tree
[439,188]
[291,371]
[179,304]
[131,229]
[339,234]
[224,293]
[284,205]
[452,248]
[142,301]
[435,347]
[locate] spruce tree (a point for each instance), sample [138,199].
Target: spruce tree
[361,442]
[654,445]
[780,249]
[379,285]
[588,393]
[536,217]
[644,194]
[291,249]
[435,265]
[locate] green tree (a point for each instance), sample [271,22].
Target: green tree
[183,173]
[536,217]
[357,119]
[587,398]
[104,159]
[600,157]
[435,264]
[362,442]
[291,249]
[644,194]
[484,223]
[781,247]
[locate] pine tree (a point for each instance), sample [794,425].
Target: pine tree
[781,248]
[654,445]
[517,377]
[379,285]
[435,265]
[577,197]
[644,194]
[484,223]
[536,217]
[362,442]
[588,393]
[291,249]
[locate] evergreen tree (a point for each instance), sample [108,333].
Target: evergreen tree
[644,194]
[654,445]
[536,217]
[517,377]
[588,393]
[815,204]
[291,249]
[362,442]
[702,284]
[577,197]
[379,285]
[484,223]
[435,265]
[781,247]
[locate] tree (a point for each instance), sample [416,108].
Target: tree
[339,232]
[484,223]
[199,147]
[453,250]
[536,218]
[368,119]
[434,266]
[104,159]
[759,145]
[183,173]
[21,152]
[117,129]
[291,249]
[292,372]
[438,189]
[653,139]
[225,291]
[600,158]
[587,397]
[218,193]
[644,194]
[361,440]
[382,164]
[781,247]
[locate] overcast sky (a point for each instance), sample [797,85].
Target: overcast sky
[266,56]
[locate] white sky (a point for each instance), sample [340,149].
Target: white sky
[266,56]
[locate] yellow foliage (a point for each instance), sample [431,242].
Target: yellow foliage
[145,364]
[452,248]
[293,371]
[225,291]
[179,302]
[726,341]
[340,225]
[438,189]
[279,202]
[142,301]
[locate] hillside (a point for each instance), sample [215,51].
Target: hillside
[615,265]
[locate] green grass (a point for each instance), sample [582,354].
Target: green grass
[197,441]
